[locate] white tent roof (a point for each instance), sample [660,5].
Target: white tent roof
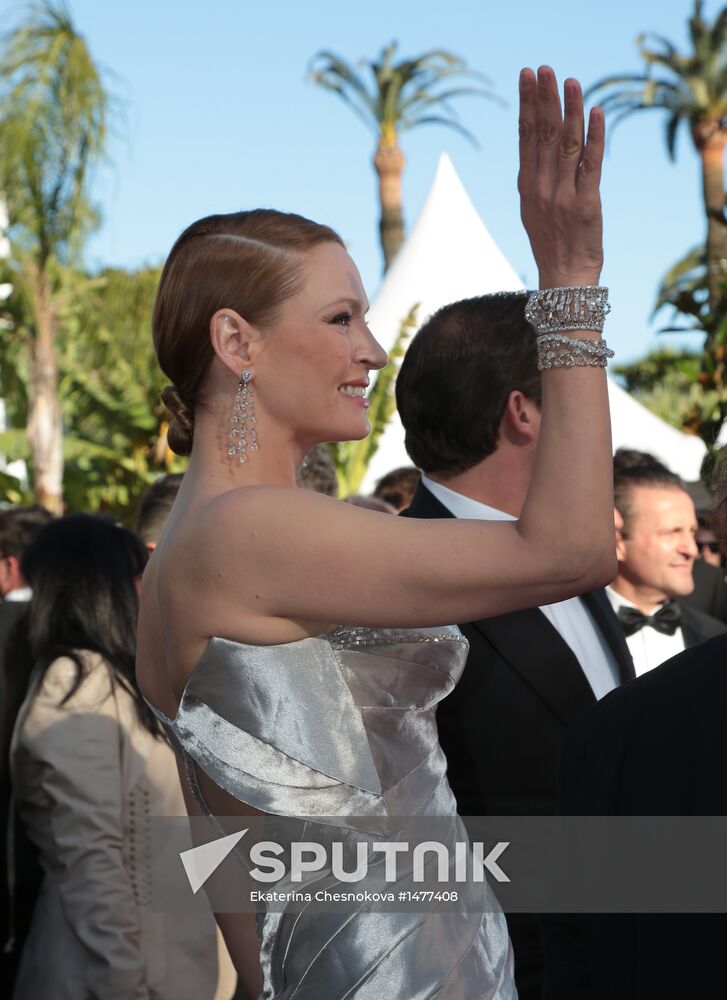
[633,426]
[450,255]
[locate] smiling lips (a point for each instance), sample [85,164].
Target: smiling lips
[357,392]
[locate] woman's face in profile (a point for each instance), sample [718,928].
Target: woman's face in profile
[312,371]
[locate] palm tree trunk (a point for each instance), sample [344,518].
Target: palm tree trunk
[389,165]
[711,152]
[45,432]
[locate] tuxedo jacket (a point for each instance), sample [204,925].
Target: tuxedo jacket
[503,727]
[710,591]
[697,626]
[655,747]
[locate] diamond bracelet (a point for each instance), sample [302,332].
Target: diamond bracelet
[574,307]
[557,351]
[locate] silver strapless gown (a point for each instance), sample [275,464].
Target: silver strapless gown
[343,725]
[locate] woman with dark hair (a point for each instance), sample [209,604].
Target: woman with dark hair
[90,767]
[291,645]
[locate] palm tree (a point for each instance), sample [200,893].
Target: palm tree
[53,116]
[691,89]
[401,95]
[115,425]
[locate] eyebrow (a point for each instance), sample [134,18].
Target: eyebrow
[348,302]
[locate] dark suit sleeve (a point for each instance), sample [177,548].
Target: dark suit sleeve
[657,746]
[566,967]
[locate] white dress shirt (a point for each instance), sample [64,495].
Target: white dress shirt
[648,647]
[19,594]
[571,619]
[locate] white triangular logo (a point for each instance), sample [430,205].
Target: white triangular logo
[200,862]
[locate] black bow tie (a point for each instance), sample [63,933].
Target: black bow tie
[667,619]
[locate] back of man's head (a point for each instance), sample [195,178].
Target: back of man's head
[457,376]
[18,528]
[154,507]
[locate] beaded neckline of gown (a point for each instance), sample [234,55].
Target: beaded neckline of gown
[354,635]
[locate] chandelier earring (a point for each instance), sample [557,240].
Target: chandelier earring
[243,433]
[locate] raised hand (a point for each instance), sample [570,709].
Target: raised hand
[559,180]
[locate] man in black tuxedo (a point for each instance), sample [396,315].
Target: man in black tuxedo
[655,544]
[472,427]
[655,747]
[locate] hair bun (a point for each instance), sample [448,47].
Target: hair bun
[181,428]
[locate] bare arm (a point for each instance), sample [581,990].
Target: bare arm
[272,554]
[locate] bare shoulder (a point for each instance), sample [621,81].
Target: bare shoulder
[267,527]
[260,524]
[267,503]
[206,580]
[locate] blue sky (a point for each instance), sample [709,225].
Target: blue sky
[219,116]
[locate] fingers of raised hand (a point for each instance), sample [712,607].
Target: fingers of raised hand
[541,129]
[559,178]
[550,124]
[528,129]
[572,137]
[589,173]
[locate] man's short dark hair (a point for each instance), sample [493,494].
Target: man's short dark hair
[155,505]
[627,458]
[457,375]
[19,526]
[650,473]
[398,486]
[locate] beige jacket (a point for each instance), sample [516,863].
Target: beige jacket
[88,779]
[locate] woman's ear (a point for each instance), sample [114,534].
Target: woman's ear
[235,341]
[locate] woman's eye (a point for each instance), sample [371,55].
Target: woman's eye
[343,319]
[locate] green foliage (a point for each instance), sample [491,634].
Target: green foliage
[401,95]
[352,457]
[684,286]
[676,395]
[702,405]
[53,121]
[110,387]
[646,375]
[688,390]
[691,89]
[12,490]
[54,115]
[668,383]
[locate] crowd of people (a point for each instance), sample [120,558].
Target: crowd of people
[254,646]
[88,764]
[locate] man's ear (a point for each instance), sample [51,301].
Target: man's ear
[235,341]
[521,416]
[10,571]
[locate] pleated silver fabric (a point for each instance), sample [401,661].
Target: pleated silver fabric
[343,725]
